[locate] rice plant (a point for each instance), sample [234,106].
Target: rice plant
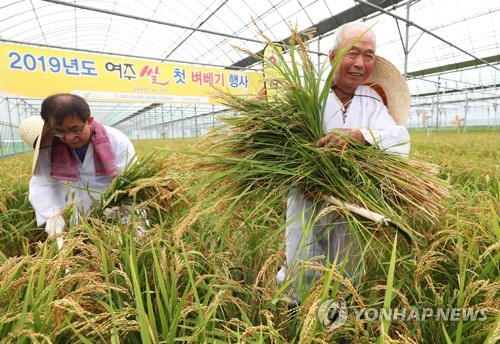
[204,270]
[271,145]
[193,277]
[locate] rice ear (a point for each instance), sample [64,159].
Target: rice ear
[147,182]
[271,145]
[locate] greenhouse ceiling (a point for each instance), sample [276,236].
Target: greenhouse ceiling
[448,49]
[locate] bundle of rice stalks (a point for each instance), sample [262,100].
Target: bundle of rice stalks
[148,183]
[271,145]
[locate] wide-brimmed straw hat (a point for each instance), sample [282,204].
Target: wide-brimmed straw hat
[390,84]
[31,131]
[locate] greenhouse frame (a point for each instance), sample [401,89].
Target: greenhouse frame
[448,50]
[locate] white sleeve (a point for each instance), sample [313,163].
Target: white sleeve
[124,154]
[47,197]
[122,148]
[394,139]
[385,133]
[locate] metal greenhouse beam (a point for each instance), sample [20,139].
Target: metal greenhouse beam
[327,25]
[456,66]
[408,22]
[459,90]
[149,20]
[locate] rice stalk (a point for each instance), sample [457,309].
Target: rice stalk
[271,146]
[148,185]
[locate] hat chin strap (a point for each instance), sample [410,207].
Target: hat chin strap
[34,142]
[335,87]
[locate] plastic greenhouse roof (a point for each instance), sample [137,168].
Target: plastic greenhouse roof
[450,51]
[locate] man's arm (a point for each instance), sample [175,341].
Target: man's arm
[123,148]
[393,139]
[47,197]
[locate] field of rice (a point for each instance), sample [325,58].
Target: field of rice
[205,269]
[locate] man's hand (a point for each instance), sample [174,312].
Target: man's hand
[123,213]
[116,212]
[333,139]
[54,226]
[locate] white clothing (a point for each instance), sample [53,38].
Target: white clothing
[330,236]
[368,113]
[48,196]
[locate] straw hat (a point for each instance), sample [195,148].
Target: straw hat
[31,130]
[392,88]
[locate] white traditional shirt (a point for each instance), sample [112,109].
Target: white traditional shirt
[368,113]
[48,196]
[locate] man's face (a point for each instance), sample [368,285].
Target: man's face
[73,131]
[357,64]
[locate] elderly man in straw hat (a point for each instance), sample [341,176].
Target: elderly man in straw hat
[75,158]
[354,111]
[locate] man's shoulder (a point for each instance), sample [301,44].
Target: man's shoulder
[369,94]
[368,91]
[117,138]
[114,132]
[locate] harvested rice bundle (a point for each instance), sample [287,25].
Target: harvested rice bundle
[148,184]
[271,144]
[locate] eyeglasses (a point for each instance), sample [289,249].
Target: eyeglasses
[74,132]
